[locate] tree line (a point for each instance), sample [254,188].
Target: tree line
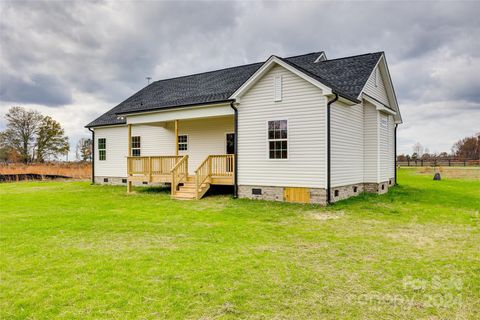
[31,137]
[467,148]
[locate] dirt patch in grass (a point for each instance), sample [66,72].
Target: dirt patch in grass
[123,242]
[324,215]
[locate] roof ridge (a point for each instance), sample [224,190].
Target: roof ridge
[222,69]
[355,56]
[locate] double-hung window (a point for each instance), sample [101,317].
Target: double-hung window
[102,149]
[183,142]
[136,146]
[278,139]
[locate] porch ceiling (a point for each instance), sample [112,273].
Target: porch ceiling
[181,114]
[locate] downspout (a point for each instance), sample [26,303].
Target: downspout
[395,150]
[235,148]
[329,164]
[93,155]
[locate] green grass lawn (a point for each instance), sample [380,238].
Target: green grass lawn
[71,250]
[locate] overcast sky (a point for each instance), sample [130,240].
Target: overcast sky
[76,60]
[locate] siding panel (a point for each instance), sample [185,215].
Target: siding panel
[377,91]
[304,106]
[370,134]
[347,141]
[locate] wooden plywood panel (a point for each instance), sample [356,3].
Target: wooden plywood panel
[301,195]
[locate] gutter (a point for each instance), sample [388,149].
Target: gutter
[126,113]
[93,154]
[235,148]
[395,151]
[329,164]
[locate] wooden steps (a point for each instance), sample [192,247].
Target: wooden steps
[187,190]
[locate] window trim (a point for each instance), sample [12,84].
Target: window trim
[267,141]
[179,143]
[104,149]
[139,148]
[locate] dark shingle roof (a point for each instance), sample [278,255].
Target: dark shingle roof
[346,75]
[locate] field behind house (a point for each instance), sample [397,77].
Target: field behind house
[71,250]
[75,170]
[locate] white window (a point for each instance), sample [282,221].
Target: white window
[102,149]
[136,146]
[277,139]
[278,88]
[183,142]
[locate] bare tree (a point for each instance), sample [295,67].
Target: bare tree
[418,150]
[83,150]
[30,136]
[21,131]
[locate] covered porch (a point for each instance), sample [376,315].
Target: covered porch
[203,150]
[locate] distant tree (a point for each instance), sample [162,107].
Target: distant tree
[51,140]
[426,156]
[30,136]
[414,156]
[467,148]
[21,131]
[443,155]
[418,149]
[83,150]
[401,157]
[3,155]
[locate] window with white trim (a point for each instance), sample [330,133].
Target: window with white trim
[278,139]
[102,149]
[183,142]
[136,146]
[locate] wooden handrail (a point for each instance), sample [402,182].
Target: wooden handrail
[213,165]
[151,165]
[179,173]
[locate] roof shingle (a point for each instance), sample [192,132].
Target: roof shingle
[345,75]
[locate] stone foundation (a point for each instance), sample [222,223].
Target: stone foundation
[121,181]
[345,192]
[379,188]
[317,195]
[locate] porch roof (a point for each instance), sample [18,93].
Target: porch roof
[347,75]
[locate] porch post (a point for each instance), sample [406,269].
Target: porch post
[129,140]
[176,137]
[129,183]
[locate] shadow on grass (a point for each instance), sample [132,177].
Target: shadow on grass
[153,190]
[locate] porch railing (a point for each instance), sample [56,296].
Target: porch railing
[179,173]
[213,165]
[151,166]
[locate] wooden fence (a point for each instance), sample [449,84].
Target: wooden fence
[442,163]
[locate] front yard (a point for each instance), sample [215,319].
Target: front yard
[71,250]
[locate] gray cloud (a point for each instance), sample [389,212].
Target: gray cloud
[39,89]
[85,57]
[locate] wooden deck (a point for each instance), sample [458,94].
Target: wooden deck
[214,170]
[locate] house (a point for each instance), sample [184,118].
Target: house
[302,129]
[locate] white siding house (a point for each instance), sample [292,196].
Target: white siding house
[287,129]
